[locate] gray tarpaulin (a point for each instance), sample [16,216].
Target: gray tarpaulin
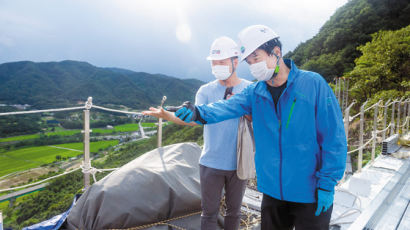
[159,185]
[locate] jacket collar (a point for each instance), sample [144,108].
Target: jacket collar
[261,87]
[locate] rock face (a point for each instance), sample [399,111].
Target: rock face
[160,185]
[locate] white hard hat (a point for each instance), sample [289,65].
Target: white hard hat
[252,37]
[223,48]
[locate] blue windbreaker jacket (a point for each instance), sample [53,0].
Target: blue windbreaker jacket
[301,144]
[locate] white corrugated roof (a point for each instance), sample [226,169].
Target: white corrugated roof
[375,198]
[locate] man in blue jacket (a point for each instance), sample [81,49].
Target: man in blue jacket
[298,128]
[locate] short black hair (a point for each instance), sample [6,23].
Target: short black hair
[269,45]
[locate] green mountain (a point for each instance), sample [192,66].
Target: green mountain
[58,84]
[383,71]
[333,50]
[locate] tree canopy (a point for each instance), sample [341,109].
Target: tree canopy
[333,50]
[383,71]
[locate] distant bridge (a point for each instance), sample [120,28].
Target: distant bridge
[23,192]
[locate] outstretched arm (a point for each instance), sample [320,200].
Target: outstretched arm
[166,115]
[236,106]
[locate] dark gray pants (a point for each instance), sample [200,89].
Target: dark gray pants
[212,183]
[284,215]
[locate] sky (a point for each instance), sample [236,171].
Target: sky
[170,37]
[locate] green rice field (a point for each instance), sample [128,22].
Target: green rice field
[62,132]
[19,138]
[32,157]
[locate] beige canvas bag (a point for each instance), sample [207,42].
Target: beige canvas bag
[245,150]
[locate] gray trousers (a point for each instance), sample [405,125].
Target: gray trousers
[212,183]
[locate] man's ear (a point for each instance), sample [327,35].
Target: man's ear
[235,62]
[277,51]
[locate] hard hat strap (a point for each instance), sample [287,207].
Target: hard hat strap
[276,68]
[233,67]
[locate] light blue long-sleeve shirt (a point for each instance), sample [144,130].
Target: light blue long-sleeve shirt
[220,139]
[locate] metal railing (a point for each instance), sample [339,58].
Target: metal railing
[86,166]
[400,125]
[394,125]
[341,91]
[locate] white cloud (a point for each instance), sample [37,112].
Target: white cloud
[6,41]
[157,36]
[17,28]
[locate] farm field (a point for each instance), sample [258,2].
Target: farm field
[68,132]
[31,157]
[19,138]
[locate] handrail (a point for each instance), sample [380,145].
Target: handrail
[380,131]
[407,120]
[42,111]
[68,109]
[353,117]
[88,169]
[86,165]
[375,104]
[361,147]
[116,110]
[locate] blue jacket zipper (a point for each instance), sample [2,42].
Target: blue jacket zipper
[280,143]
[280,151]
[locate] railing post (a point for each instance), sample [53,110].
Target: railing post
[343,94]
[374,135]
[398,116]
[1,220]
[392,118]
[347,91]
[408,115]
[87,131]
[360,156]
[336,85]
[164,98]
[385,119]
[346,125]
[338,90]
[346,121]
[141,129]
[403,129]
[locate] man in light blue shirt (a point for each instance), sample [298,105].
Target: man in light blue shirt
[219,150]
[218,158]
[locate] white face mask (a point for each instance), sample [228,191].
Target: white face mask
[221,72]
[261,72]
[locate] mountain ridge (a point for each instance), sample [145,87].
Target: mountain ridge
[47,84]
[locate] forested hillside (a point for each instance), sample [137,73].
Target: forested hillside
[333,50]
[383,71]
[50,84]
